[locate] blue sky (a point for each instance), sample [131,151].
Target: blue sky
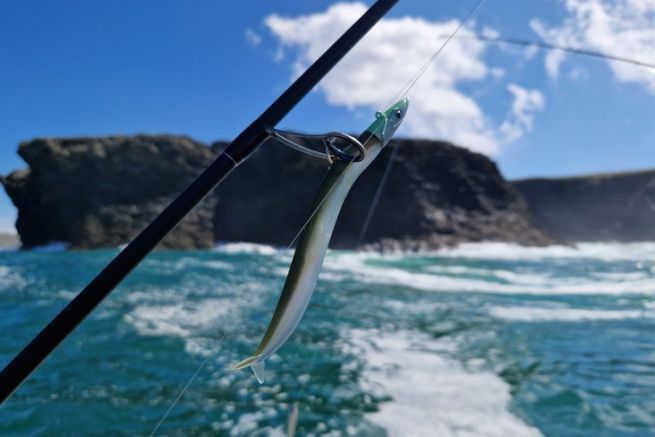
[206,68]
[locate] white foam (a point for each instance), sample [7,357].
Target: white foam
[431,395]
[186,262]
[260,249]
[505,275]
[190,314]
[218,265]
[417,307]
[361,266]
[533,314]
[248,424]
[649,305]
[621,276]
[598,251]
[11,280]
[55,246]
[66,294]
[519,283]
[179,319]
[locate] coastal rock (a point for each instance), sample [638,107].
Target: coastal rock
[437,194]
[605,207]
[100,192]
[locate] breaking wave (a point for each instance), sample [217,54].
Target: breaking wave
[535,314]
[10,279]
[260,249]
[430,394]
[55,246]
[446,278]
[597,251]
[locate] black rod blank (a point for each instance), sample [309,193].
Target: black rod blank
[243,145]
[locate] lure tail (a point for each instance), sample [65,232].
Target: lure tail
[258,367]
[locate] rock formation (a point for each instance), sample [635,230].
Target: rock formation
[436,195]
[611,207]
[99,192]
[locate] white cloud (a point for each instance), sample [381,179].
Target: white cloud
[497,72]
[525,104]
[578,73]
[385,60]
[619,27]
[530,52]
[253,38]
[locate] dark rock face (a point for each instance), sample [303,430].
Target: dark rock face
[266,199]
[100,192]
[613,207]
[93,192]
[437,194]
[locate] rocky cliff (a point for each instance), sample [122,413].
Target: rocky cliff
[98,192]
[437,194]
[610,207]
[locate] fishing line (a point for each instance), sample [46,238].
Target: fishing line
[315,210]
[489,39]
[551,46]
[193,377]
[404,91]
[376,196]
[266,279]
[318,206]
[270,274]
[304,226]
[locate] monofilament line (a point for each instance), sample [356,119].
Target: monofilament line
[376,197]
[315,210]
[188,384]
[202,365]
[551,46]
[403,92]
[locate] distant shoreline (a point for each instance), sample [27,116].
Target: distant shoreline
[9,240]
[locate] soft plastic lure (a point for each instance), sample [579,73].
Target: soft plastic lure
[310,252]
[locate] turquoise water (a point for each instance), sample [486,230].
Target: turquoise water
[486,339]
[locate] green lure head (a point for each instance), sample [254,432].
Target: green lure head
[387,122]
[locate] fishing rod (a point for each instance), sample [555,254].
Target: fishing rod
[37,350]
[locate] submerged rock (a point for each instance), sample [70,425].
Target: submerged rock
[99,192]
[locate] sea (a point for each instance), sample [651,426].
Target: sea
[487,339]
